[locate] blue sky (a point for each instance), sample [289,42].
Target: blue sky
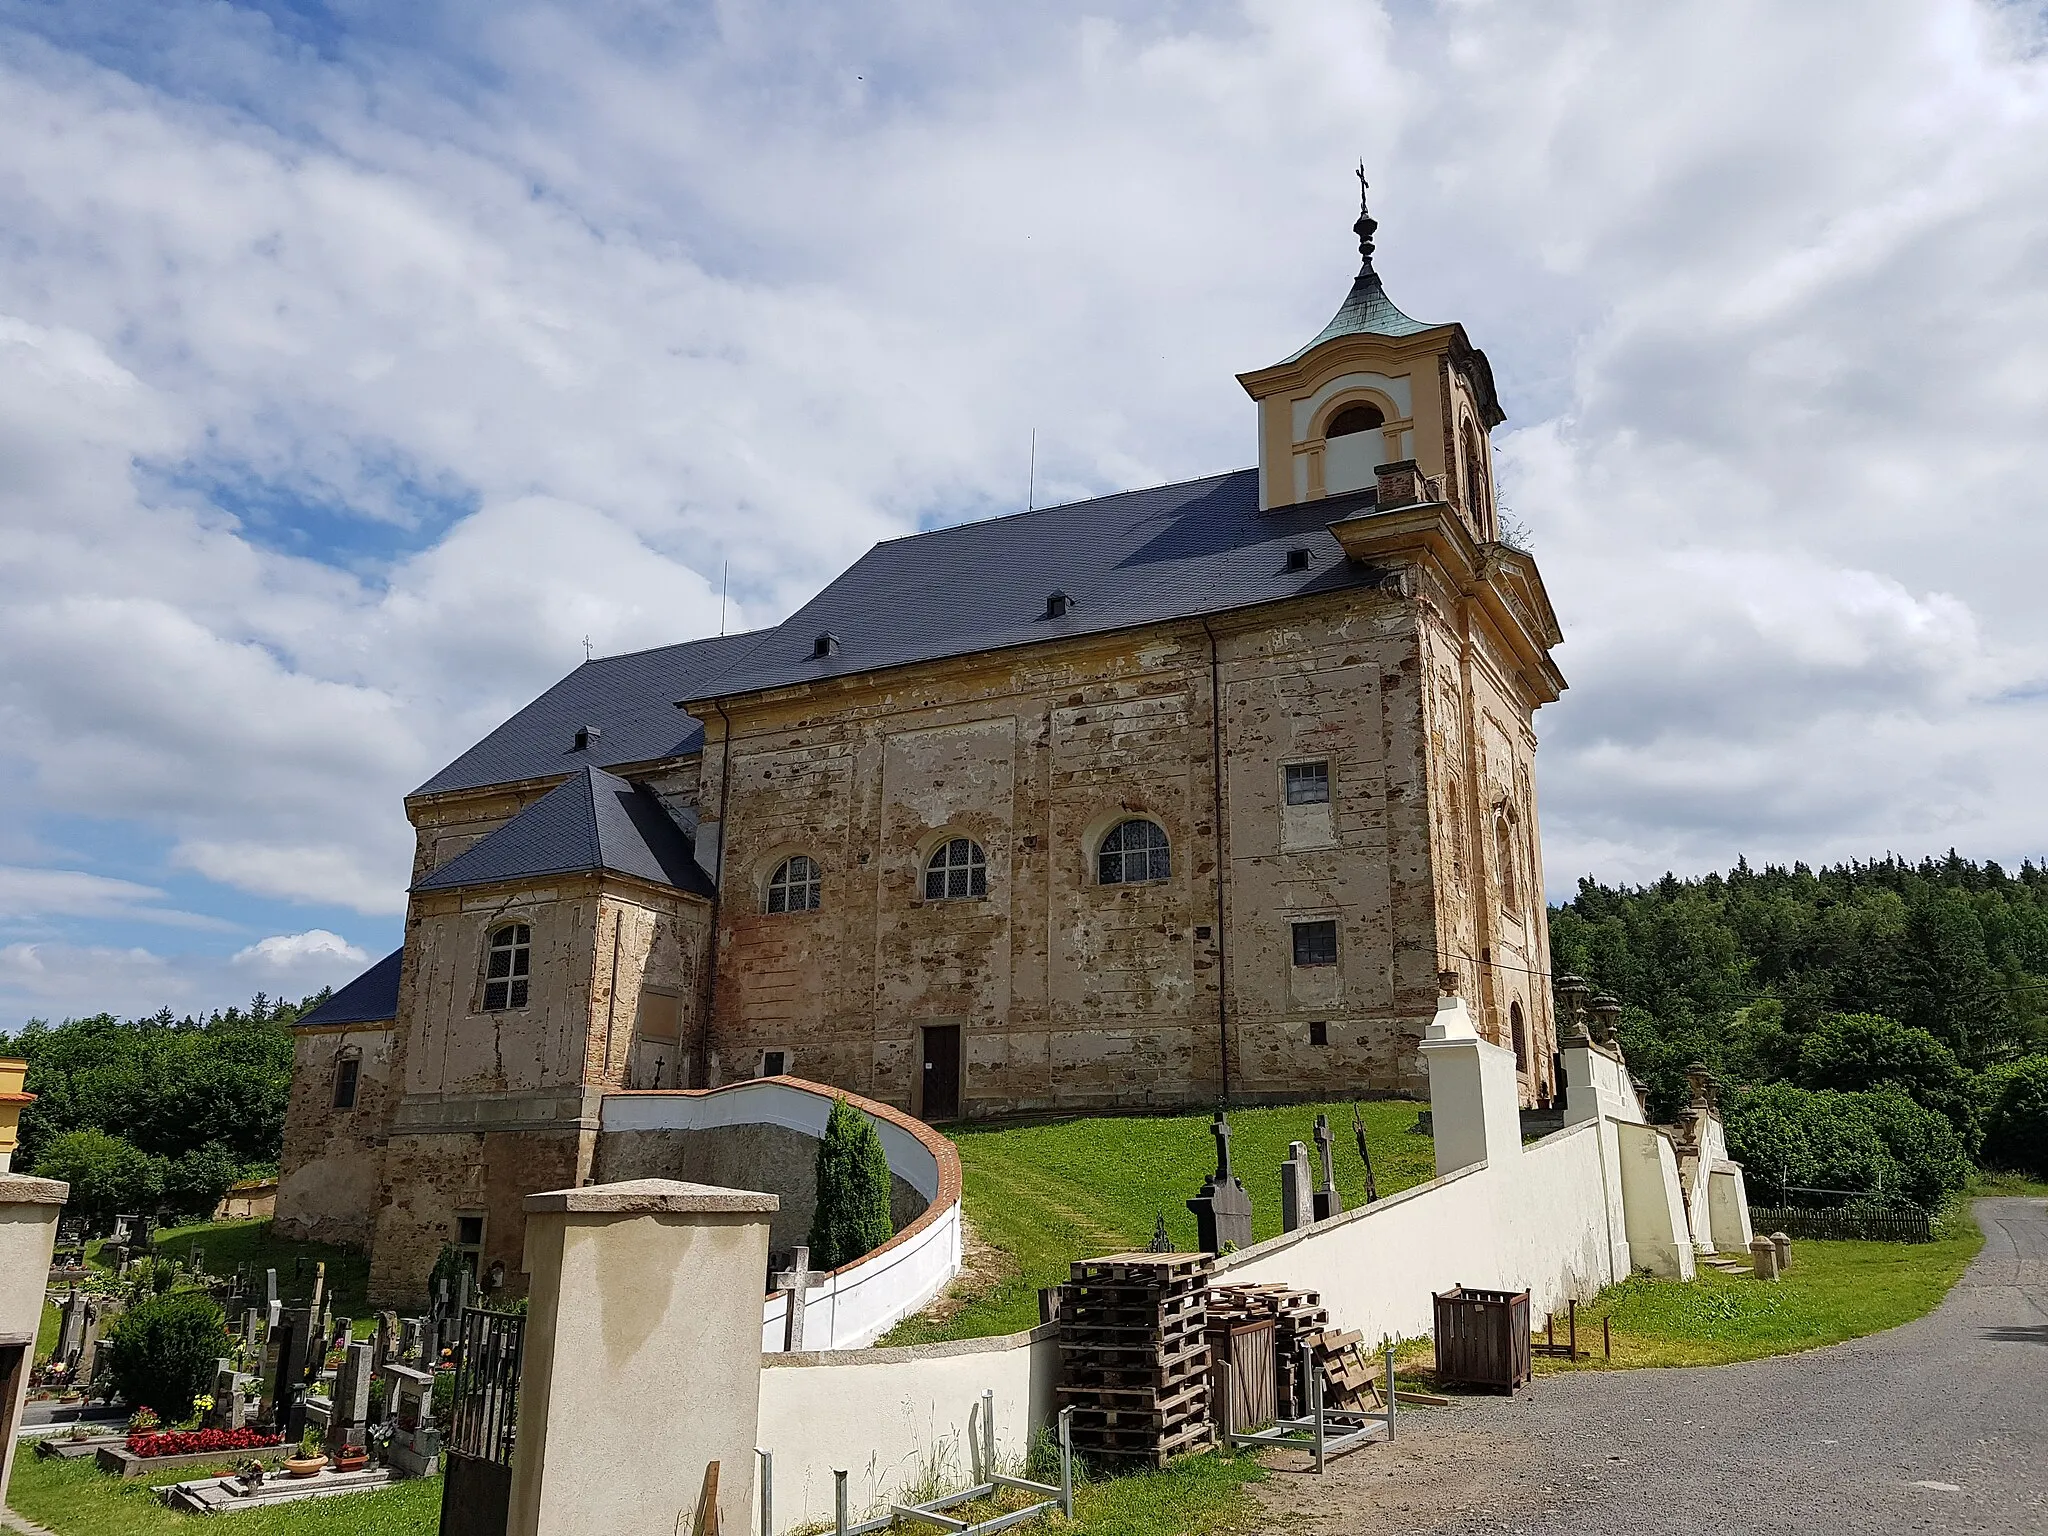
[357,361]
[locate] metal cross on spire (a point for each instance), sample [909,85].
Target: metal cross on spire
[1366,222]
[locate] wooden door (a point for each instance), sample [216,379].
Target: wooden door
[941,1086]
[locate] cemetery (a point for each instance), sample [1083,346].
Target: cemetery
[1264,1318]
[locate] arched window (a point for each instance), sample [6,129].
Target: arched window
[795,886]
[509,965]
[1520,1035]
[956,869]
[1135,850]
[1504,857]
[1477,496]
[1361,417]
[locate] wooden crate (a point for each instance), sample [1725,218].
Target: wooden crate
[1482,1338]
[1242,1378]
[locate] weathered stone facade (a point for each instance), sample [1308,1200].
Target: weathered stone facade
[1287,943]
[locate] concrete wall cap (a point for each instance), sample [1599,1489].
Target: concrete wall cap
[20,1189]
[633,1196]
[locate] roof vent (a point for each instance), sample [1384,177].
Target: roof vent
[1297,559]
[585,735]
[1057,604]
[826,644]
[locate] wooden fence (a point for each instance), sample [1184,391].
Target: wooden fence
[1885,1224]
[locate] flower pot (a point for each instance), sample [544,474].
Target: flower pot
[353,1461]
[304,1466]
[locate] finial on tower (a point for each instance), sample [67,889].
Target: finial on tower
[1366,222]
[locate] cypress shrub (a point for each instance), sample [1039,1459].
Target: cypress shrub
[162,1350]
[852,1213]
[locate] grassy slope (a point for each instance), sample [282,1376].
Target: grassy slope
[1834,1291]
[74,1498]
[1048,1193]
[228,1243]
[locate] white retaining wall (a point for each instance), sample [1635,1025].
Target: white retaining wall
[854,1305]
[1547,1218]
[882,1415]
[1534,1220]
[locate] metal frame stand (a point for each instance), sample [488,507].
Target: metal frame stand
[932,1511]
[1328,1433]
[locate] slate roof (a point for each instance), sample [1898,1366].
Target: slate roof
[592,821]
[631,701]
[1366,311]
[370,999]
[1138,557]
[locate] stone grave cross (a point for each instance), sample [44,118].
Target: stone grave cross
[1223,1211]
[1328,1202]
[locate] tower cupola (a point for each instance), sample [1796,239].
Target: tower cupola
[1377,388]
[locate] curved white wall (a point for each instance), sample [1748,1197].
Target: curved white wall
[858,1303]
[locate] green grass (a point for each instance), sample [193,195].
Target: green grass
[74,1498]
[1833,1291]
[47,1330]
[1195,1496]
[1047,1193]
[1989,1182]
[228,1243]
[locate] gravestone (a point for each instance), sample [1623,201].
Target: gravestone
[291,1341]
[415,1445]
[98,1311]
[222,1391]
[1161,1243]
[795,1282]
[384,1341]
[71,1324]
[252,1333]
[351,1401]
[316,1417]
[1223,1211]
[270,1287]
[1328,1202]
[412,1334]
[197,1260]
[1297,1198]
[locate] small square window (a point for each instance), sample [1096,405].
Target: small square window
[469,1231]
[1308,783]
[1316,943]
[774,1063]
[1319,1032]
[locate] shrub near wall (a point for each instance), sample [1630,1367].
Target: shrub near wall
[1864,1143]
[162,1350]
[2016,1128]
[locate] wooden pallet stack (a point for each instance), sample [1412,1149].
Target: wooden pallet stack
[1134,1360]
[1299,1317]
[1350,1376]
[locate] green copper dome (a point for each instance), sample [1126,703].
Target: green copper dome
[1366,311]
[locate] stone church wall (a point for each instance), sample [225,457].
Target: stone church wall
[1069,992]
[327,1189]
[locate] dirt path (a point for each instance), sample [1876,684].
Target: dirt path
[1939,1426]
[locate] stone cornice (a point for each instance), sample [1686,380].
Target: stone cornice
[1502,581]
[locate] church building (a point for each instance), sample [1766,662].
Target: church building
[1173,797]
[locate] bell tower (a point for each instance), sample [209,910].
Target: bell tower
[1376,388]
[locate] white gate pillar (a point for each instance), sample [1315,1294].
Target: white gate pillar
[642,1358]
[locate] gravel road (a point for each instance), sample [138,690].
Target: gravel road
[1941,1425]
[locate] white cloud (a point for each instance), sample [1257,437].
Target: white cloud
[555,328]
[295,952]
[42,894]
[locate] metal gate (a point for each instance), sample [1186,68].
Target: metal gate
[476,1495]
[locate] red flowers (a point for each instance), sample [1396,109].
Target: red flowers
[183,1442]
